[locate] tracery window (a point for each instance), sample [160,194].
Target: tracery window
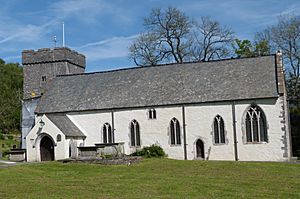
[219,130]
[107,133]
[175,132]
[256,125]
[135,140]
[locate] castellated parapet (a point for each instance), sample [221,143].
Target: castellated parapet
[53,55]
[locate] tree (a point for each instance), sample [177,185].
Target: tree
[285,35]
[166,39]
[245,48]
[11,78]
[211,40]
[171,36]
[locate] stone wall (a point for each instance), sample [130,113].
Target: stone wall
[41,66]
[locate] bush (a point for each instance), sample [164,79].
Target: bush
[5,154]
[150,152]
[10,137]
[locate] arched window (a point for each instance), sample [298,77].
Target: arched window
[108,136]
[135,139]
[175,132]
[219,130]
[152,114]
[58,138]
[256,125]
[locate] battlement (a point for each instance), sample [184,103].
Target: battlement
[47,55]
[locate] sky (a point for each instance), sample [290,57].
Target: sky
[103,30]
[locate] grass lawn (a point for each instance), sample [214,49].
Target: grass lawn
[152,178]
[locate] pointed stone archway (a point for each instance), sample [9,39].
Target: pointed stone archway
[47,149]
[200,149]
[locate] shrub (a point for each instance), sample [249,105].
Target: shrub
[10,137]
[5,154]
[150,151]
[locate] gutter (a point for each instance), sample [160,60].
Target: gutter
[184,133]
[234,131]
[113,125]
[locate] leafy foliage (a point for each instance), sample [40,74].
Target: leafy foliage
[245,48]
[11,80]
[151,151]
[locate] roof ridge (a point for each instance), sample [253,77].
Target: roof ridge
[162,65]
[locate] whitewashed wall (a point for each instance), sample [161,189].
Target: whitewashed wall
[90,123]
[34,137]
[274,149]
[199,120]
[152,131]
[199,125]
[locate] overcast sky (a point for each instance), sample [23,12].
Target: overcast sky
[103,29]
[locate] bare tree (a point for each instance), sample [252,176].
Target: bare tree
[146,50]
[165,40]
[170,37]
[211,40]
[285,35]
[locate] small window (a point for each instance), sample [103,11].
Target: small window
[107,134]
[152,114]
[135,140]
[44,78]
[219,130]
[58,138]
[175,132]
[256,125]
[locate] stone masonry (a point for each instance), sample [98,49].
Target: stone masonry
[43,65]
[40,67]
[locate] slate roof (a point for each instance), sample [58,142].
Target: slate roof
[65,125]
[232,79]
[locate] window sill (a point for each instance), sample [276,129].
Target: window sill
[135,147]
[175,145]
[220,144]
[256,142]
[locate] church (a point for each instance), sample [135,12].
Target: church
[232,109]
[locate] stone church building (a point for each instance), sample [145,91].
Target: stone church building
[232,109]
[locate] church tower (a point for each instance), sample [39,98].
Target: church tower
[39,68]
